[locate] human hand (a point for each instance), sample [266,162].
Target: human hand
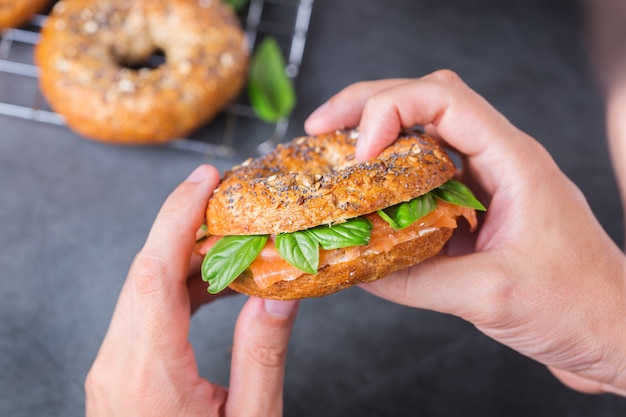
[616,132]
[146,365]
[542,276]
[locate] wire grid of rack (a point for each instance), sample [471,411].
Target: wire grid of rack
[237,131]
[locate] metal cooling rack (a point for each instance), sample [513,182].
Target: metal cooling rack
[235,132]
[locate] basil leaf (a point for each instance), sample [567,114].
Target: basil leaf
[300,249]
[353,232]
[388,219]
[407,213]
[202,233]
[228,258]
[237,5]
[270,90]
[456,192]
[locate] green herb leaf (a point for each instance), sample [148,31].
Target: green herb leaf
[388,219]
[456,192]
[405,214]
[300,249]
[270,90]
[202,233]
[228,258]
[237,5]
[353,232]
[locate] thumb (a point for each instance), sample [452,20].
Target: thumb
[577,382]
[259,354]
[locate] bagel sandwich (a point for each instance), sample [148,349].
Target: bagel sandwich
[307,219]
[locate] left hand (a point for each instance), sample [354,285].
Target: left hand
[146,365]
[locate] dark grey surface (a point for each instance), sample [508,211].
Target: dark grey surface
[74,212]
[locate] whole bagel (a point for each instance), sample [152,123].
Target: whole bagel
[91,57]
[13,13]
[312,181]
[316,180]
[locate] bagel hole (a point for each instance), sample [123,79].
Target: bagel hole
[151,61]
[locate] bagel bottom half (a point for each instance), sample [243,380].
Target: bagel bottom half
[365,268]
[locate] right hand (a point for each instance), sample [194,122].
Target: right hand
[542,276]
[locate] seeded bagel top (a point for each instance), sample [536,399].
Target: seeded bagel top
[314,180]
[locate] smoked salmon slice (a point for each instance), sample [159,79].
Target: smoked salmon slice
[269,267]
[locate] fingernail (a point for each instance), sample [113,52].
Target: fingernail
[319,111]
[199,174]
[360,153]
[279,308]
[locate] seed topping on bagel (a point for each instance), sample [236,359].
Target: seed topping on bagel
[316,180]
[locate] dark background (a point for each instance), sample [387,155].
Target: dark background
[73,213]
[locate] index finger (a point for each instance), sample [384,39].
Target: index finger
[441,100]
[345,108]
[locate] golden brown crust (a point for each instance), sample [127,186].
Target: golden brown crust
[13,13]
[315,180]
[366,268]
[88,47]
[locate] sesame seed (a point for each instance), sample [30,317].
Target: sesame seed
[184,67]
[60,7]
[62,65]
[306,181]
[90,27]
[60,25]
[227,59]
[126,86]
